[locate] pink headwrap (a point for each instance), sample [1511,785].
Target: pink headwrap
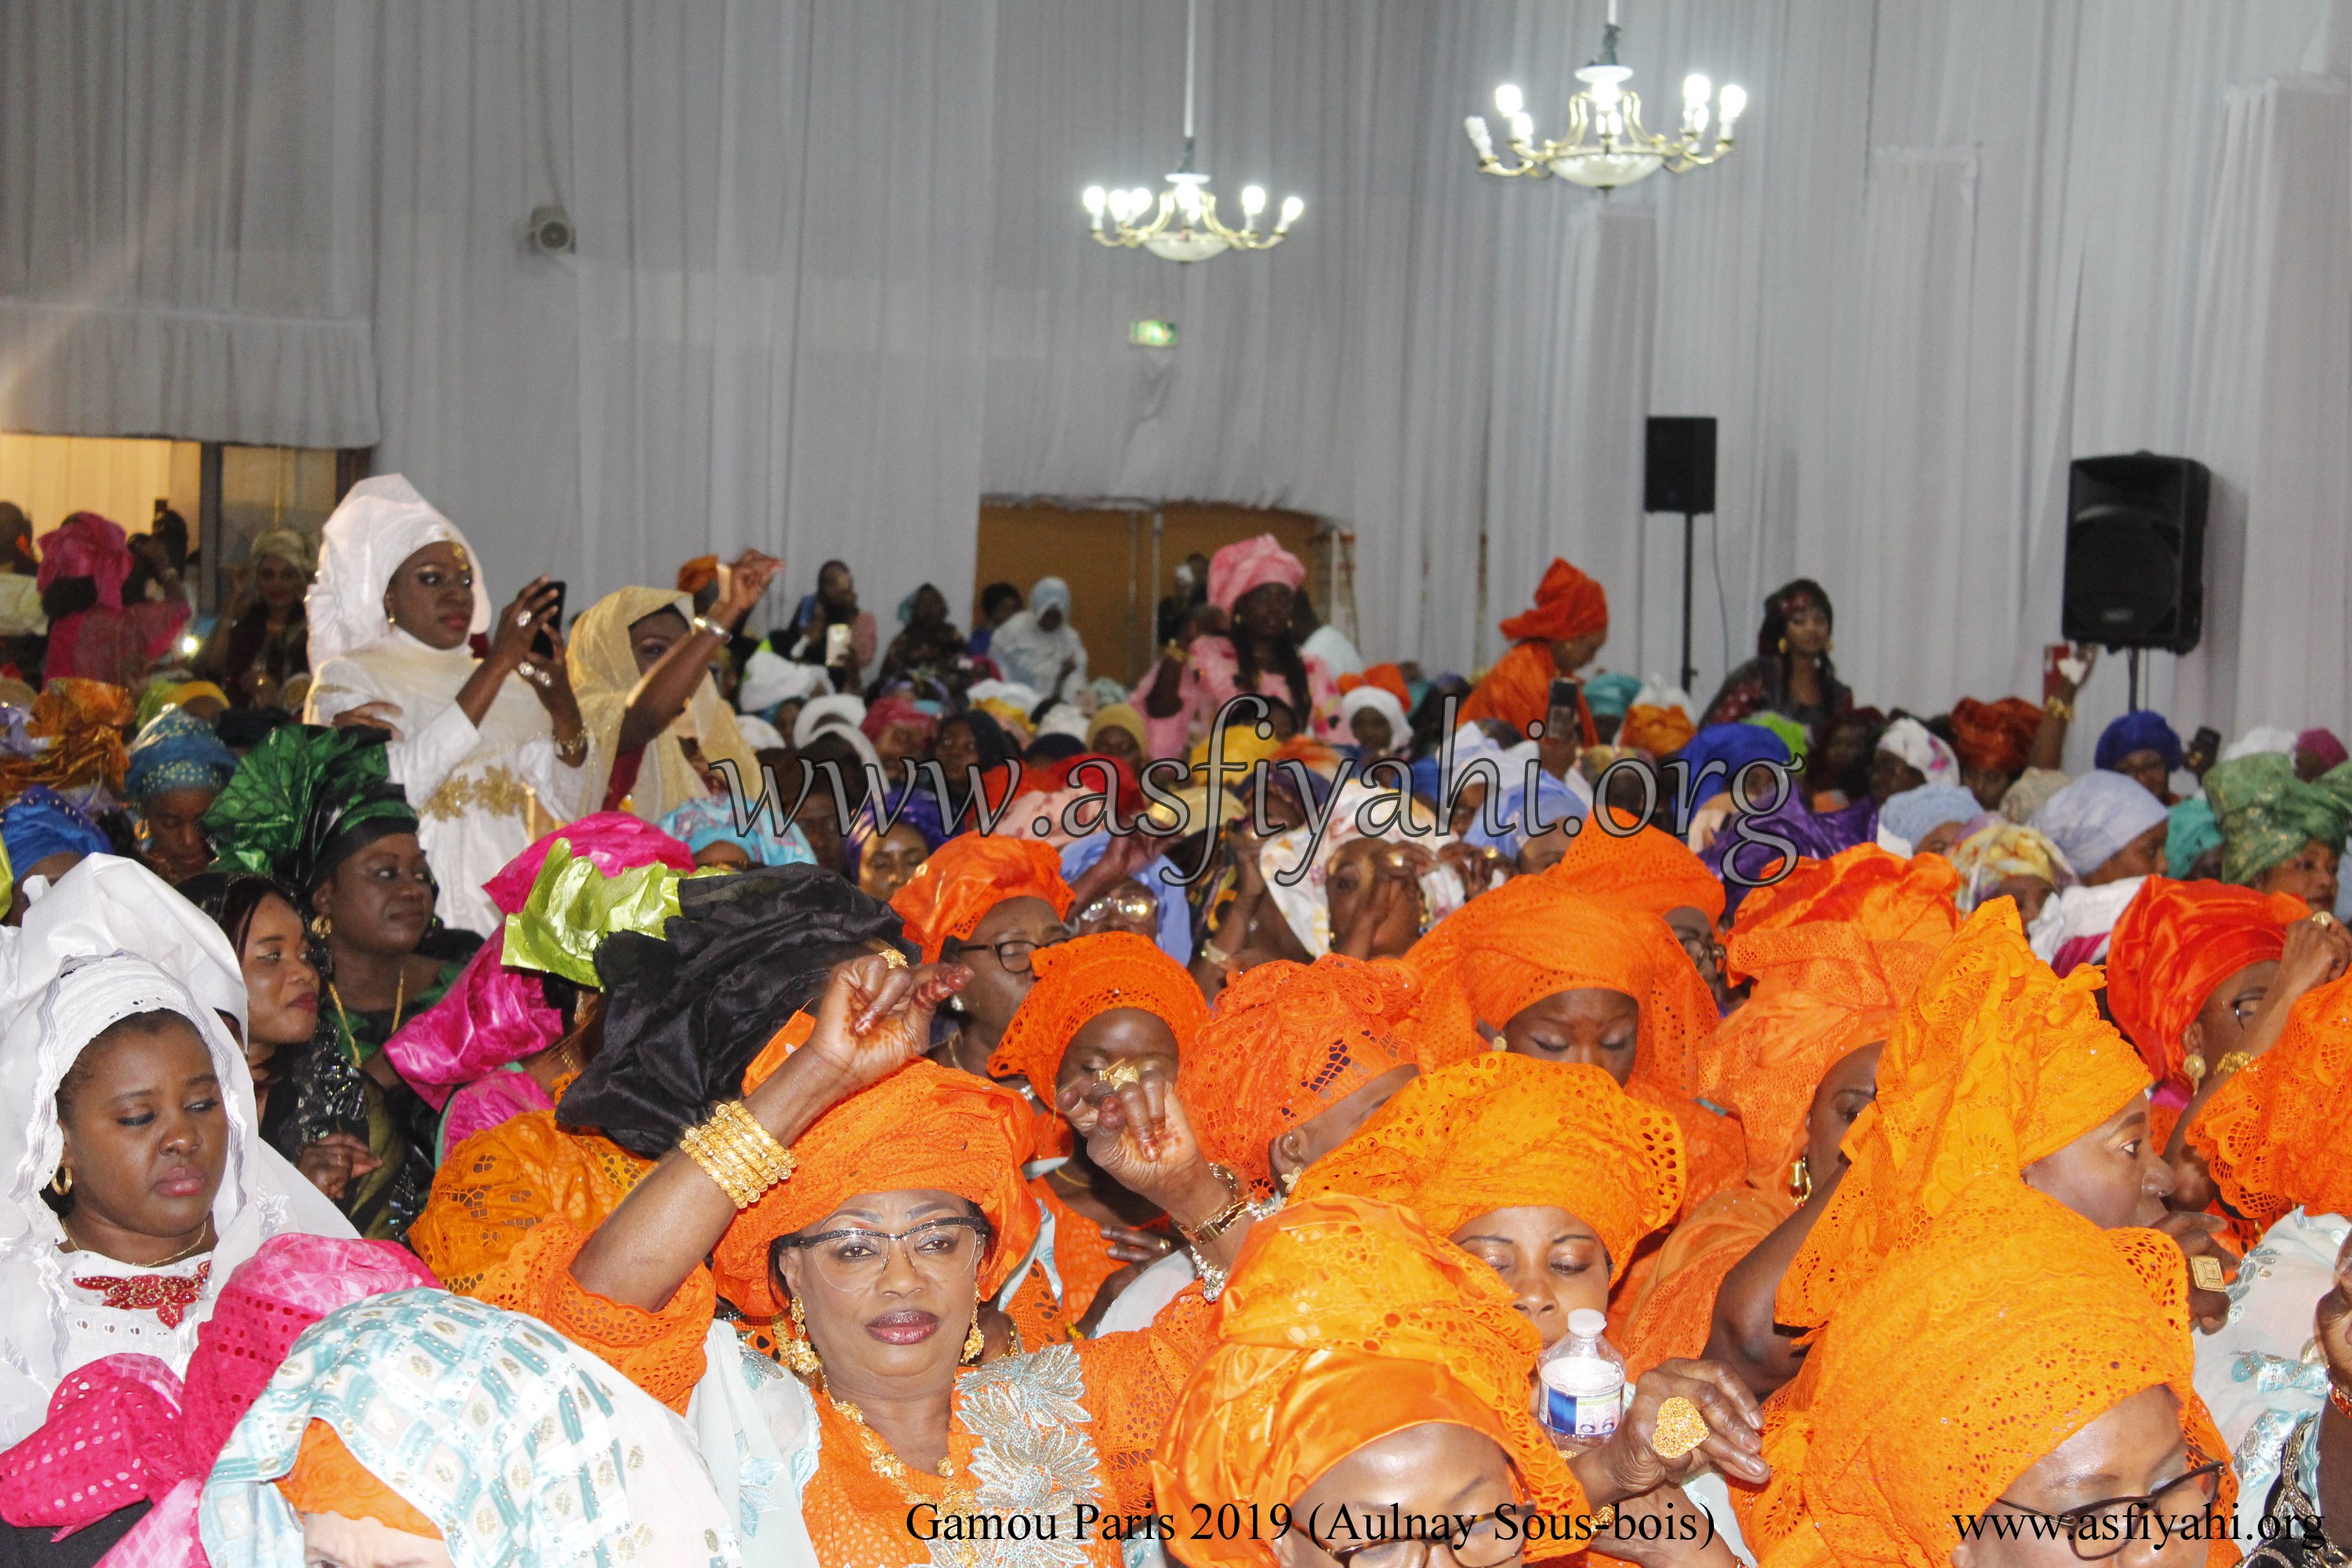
[492,1015]
[1249,563]
[86,545]
[2322,744]
[897,708]
[123,1429]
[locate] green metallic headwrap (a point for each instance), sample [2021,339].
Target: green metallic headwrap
[303,800]
[1793,734]
[2267,815]
[573,907]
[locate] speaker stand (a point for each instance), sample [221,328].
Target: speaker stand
[2131,661]
[1690,552]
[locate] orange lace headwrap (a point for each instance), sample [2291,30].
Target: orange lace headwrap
[1993,1062]
[1569,604]
[326,1479]
[1834,948]
[924,1128]
[1646,869]
[2173,944]
[1083,979]
[970,875]
[1503,1131]
[2010,1326]
[1345,1321]
[2278,1134]
[1285,1043]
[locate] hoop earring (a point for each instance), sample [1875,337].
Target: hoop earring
[798,1352]
[62,1182]
[1800,1178]
[974,1341]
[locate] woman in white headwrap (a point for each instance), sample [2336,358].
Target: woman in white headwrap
[1039,648]
[118,1230]
[488,762]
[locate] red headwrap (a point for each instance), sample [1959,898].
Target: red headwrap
[1569,604]
[1995,736]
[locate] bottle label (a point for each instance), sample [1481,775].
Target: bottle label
[1588,1417]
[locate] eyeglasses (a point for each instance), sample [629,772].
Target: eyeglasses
[2098,1531]
[1130,903]
[1014,953]
[853,1259]
[1489,1543]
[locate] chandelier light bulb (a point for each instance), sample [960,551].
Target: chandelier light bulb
[1508,102]
[1696,90]
[1732,104]
[1523,128]
[1291,208]
[1480,137]
[1095,198]
[1253,200]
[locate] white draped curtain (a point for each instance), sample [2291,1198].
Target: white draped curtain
[832,288]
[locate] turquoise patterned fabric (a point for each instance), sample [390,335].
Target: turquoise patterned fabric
[514,1441]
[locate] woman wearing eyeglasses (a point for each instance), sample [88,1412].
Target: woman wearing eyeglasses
[870,1202]
[989,904]
[2012,1391]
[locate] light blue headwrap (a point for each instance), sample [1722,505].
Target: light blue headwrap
[2094,818]
[710,820]
[1914,814]
[176,750]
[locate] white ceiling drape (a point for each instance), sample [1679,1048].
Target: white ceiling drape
[832,288]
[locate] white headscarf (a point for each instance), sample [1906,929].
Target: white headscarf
[1915,744]
[1029,654]
[261,1196]
[768,677]
[1383,702]
[109,904]
[2260,739]
[381,523]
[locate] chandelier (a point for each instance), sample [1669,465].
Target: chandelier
[1180,223]
[1606,145]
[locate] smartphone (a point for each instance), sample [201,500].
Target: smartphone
[2204,747]
[1561,712]
[541,645]
[836,644]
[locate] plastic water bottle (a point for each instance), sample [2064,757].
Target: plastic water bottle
[1583,1383]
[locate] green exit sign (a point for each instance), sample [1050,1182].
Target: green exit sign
[1151,334]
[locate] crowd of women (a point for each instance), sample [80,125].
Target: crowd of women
[448,1119]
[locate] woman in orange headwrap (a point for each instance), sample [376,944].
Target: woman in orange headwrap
[1653,870]
[2013,1363]
[1833,948]
[2197,979]
[1557,638]
[1363,1360]
[879,1198]
[1562,978]
[987,904]
[1996,742]
[1105,1010]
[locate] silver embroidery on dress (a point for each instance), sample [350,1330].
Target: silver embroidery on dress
[1035,1457]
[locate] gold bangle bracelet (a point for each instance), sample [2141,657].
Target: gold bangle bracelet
[737,1153]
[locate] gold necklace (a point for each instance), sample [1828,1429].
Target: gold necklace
[399,1003]
[205,1241]
[892,1469]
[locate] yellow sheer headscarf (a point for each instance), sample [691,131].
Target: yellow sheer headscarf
[604,673]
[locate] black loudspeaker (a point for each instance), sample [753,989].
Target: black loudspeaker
[2136,551]
[1679,475]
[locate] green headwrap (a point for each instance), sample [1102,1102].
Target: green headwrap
[303,800]
[2267,815]
[573,907]
[1793,734]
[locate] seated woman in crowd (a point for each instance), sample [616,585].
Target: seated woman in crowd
[1363,1362]
[391,615]
[2004,859]
[1996,742]
[927,650]
[45,835]
[1791,674]
[1038,647]
[176,768]
[141,1181]
[2011,1361]
[1366,896]
[1251,582]
[640,662]
[989,905]
[102,623]
[2280,835]
[262,644]
[708,827]
[2112,832]
[829,631]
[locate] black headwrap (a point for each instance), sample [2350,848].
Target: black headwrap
[683,1017]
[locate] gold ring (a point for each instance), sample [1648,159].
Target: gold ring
[1118,1074]
[2323,920]
[889,954]
[1680,1429]
[2206,1272]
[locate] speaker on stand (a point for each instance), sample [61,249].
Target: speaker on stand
[1679,475]
[2136,554]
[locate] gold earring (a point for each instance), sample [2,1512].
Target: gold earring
[974,1341]
[1784,645]
[1289,1180]
[799,1353]
[1800,1178]
[322,927]
[62,1182]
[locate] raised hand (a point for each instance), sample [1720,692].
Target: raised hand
[520,621]
[1137,1133]
[876,1017]
[742,583]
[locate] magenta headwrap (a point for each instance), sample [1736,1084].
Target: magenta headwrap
[2322,744]
[86,545]
[1248,564]
[492,1015]
[123,1429]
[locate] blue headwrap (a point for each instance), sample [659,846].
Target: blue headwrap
[1733,745]
[1158,876]
[1916,813]
[2094,818]
[1609,696]
[2144,730]
[40,823]
[710,820]
[176,750]
[2189,833]
[1555,802]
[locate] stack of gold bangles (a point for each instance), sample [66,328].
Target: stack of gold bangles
[738,1154]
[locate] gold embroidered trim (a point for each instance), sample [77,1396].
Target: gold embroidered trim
[495,792]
